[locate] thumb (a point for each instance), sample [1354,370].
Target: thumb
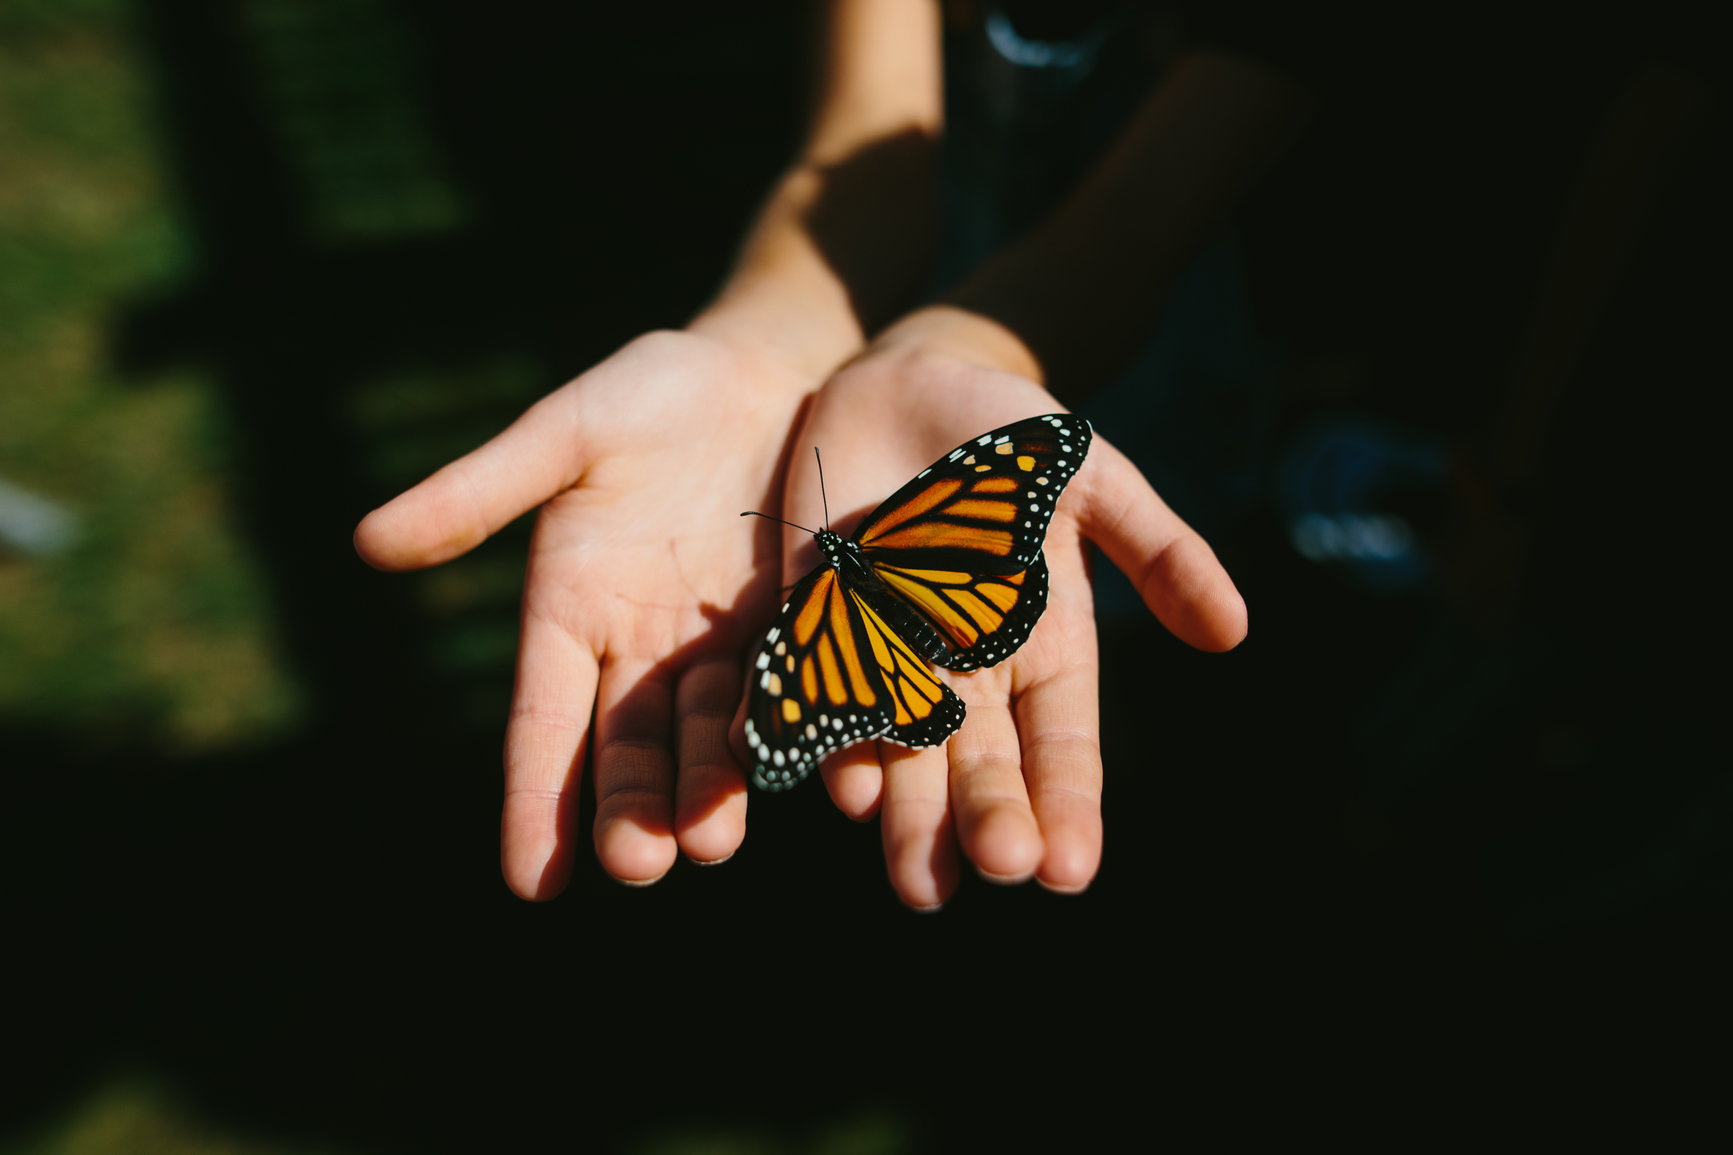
[467,501]
[1173,568]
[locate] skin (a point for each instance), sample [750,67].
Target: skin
[644,588]
[641,591]
[1018,788]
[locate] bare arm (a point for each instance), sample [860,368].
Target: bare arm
[642,587]
[1017,789]
[846,235]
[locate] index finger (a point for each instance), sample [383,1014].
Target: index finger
[470,499]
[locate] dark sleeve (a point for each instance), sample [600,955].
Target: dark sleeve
[1337,47]
[1308,42]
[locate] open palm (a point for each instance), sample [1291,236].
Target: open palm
[642,589]
[1019,786]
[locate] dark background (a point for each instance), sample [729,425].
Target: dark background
[1367,827]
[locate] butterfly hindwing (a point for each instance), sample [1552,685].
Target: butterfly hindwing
[961,543]
[985,618]
[833,672]
[924,710]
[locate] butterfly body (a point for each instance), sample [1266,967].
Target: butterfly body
[856,573]
[948,570]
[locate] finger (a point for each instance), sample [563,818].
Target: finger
[855,780]
[995,825]
[915,822]
[1172,567]
[1058,723]
[851,776]
[634,772]
[710,794]
[460,506]
[544,757]
[737,728]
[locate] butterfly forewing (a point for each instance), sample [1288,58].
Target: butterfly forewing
[815,689]
[983,507]
[961,543]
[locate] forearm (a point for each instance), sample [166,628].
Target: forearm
[844,238]
[833,253]
[1070,303]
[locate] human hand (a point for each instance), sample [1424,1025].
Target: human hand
[642,590]
[1019,785]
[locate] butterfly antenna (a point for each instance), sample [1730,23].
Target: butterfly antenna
[767,517]
[821,495]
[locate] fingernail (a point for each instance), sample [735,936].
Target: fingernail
[1048,886]
[933,909]
[710,862]
[1004,879]
[639,882]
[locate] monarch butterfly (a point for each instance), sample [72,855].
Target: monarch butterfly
[948,569]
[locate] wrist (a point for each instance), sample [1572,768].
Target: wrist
[957,333]
[767,325]
[783,301]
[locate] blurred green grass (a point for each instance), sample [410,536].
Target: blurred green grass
[872,1132]
[155,623]
[339,78]
[138,1115]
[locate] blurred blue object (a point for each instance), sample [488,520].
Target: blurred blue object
[1333,485]
[1072,60]
[34,524]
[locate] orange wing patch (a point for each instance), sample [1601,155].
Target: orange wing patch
[986,510]
[843,632]
[944,577]
[813,610]
[958,630]
[929,497]
[964,606]
[915,690]
[833,686]
[1000,595]
[977,609]
[939,535]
